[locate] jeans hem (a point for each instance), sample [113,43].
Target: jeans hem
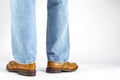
[25,62]
[58,61]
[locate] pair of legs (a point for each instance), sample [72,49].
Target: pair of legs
[24,37]
[23,30]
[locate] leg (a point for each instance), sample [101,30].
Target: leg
[57,31]
[23,37]
[58,38]
[23,30]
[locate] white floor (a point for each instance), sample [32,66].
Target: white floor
[85,72]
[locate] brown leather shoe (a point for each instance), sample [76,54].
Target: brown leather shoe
[54,67]
[22,69]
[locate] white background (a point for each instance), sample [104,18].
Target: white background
[94,38]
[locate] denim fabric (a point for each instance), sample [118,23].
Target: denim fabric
[23,30]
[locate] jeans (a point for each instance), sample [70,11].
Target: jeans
[23,31]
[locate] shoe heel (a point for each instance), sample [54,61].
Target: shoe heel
[53,70]
[27,73]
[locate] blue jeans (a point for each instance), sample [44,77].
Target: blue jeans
[23,30]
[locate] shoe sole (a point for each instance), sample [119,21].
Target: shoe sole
[23,72]
[56,70]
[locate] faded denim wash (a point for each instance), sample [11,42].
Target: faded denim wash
[23,31]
